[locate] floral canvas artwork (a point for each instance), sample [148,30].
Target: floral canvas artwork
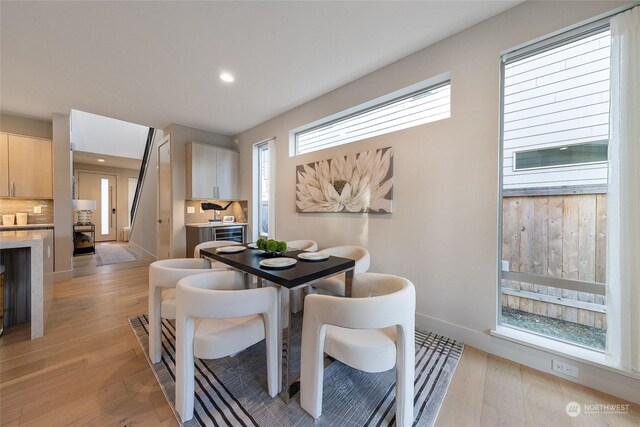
[361,182]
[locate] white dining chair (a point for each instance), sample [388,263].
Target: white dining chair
[335,285]
[372,331]
[302,245]
[212,245]
[213,320]
[163,276]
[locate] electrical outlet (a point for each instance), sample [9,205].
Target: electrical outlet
[566,369]
[191,209]
[505,265]
[37,209]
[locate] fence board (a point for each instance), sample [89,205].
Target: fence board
[601,242]
[540,239]
[587,252]
[513,232]
[556,210]
[527,232]
[570,243]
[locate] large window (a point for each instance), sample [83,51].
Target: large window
[555,121]
[264,189]
[417,107]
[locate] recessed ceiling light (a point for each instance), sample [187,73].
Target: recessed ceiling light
[101,160]
[226,77]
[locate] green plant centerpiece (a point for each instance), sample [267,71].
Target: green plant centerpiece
[272,247]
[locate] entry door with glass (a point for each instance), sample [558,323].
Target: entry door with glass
[103,189]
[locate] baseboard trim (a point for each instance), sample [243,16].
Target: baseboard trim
[143,250]
[62,275]
[591,376]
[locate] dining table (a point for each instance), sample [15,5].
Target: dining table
[299,275]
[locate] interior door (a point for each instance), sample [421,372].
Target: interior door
[102,188]
[164,200]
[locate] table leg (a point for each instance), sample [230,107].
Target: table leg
[285,343]
[348,282]
[247,280]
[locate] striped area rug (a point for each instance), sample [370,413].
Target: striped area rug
[232,391]
[114,253]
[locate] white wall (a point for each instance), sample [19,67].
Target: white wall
[104,135]
[443,233]
[26,126]
[144,229]
[63,212]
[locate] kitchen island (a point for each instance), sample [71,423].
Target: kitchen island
[28,258]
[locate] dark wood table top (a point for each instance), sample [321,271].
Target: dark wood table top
[301,273]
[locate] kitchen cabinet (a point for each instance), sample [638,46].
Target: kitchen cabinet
[212,172]
[27,162]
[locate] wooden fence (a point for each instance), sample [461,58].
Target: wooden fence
[560,236]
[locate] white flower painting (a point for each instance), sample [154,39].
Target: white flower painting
[360,182]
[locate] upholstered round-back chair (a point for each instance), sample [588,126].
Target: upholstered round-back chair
[214,320]
[163,276]
[335,285]
[212,244]
[372,331]
[302,245]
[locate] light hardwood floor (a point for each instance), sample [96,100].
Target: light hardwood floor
[88,369]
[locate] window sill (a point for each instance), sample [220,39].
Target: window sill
[568,351]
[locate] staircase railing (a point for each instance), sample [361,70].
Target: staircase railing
[143,172]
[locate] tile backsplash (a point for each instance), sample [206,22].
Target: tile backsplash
[12,206]
[238,209]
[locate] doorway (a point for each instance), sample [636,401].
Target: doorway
[102,188]
[164,199]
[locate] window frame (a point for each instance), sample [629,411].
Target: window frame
[532,48]
[264,146]
[564,165]
[366,107]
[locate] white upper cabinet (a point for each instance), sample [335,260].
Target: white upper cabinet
[212,172]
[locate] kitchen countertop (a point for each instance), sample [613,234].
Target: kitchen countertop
[20,238]
[25,227]
[218,224]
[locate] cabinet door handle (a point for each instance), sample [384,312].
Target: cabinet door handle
[13,189]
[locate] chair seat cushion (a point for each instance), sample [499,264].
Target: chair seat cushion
[216,338]
[370,350]
[331,286]
[168,305]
